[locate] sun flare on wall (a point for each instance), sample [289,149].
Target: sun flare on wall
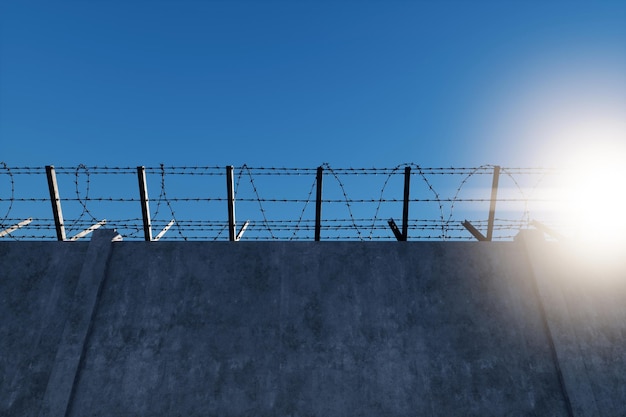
[566,109]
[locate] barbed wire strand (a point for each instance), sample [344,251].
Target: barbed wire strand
[132,227]
[11,199]
[343,190]
[256,193]
[308,199]
[163,195]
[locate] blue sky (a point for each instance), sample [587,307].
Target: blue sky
[450,83]
[301,83]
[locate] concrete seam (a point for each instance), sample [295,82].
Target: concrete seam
[83,352]
[584,361]
[548,331]
[70,350]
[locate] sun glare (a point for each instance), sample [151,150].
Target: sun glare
[592,203]
[568,111]
[593,200]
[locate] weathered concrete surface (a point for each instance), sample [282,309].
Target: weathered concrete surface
[585,308]
[37,281]
[329,329]
[318,329]
[69,352]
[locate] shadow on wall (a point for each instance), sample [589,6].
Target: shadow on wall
[305,328]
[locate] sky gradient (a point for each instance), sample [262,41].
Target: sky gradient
[273,83]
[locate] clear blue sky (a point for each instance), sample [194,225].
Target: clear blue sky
[281,83]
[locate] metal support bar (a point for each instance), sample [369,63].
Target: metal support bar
[492,207]
[395,230]
[87,231]
[56,202]
[474,231]
[405,207]
[318,204]
[242,230]
[547,230]
[165,229]
[230,186]
[15,227]
[145,204]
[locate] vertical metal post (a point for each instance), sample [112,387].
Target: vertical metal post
[56,202]
[145,205]
[405,207]
[230,186]
[494,197]
[318,204]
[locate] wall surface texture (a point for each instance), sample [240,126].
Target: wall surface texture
[106,328]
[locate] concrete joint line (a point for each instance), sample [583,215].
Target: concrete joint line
[57,397]
[575,383]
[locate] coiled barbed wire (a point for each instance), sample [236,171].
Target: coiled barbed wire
[6,168]
[363,228]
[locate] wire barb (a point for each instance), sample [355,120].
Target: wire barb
[356,202]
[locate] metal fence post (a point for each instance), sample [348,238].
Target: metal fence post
[492,206]
[318,204]
[145,204]
[405,207]
[55,200]
[230,187]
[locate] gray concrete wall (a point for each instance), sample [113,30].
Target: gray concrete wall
[37,282]
[303,329]
[585,309]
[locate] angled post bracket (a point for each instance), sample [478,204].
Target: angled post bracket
[13,228]
[475,232]
[242,230]
[88,230]
[165,229]
[396,232]
[547,230]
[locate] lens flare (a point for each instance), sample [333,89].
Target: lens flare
[568,111]
[592,203]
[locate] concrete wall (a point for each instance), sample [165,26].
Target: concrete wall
[37,283]
[302,329]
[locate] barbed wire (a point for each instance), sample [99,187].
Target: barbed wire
[290,205]
[296,228]
[163,195]
[11,199]
[243,169]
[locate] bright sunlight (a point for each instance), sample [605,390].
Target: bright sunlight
[591,194]
[568,111]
